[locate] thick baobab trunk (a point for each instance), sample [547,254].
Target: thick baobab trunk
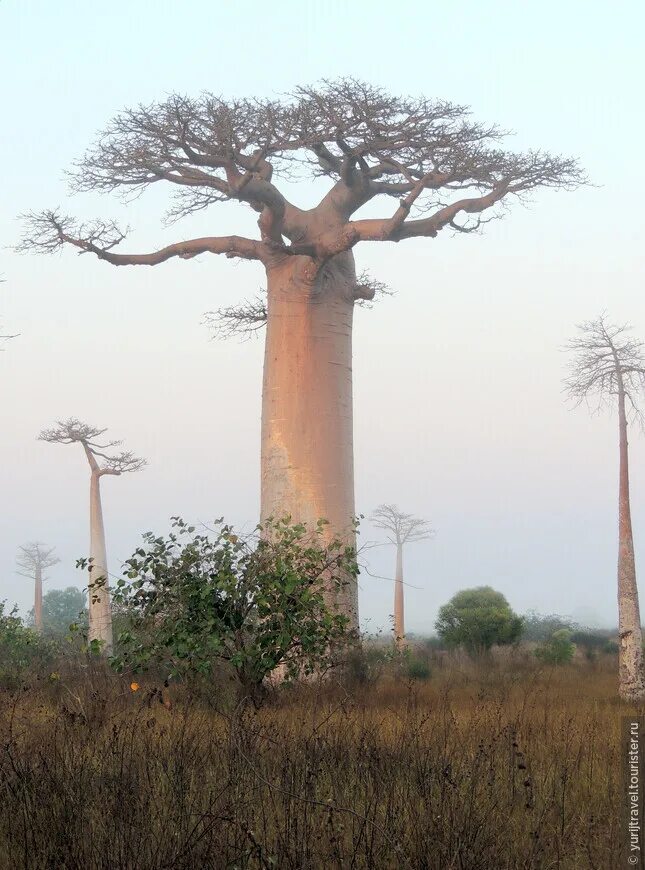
[38,600]
[307,425]
[100,616]
[399,615]
[630,665]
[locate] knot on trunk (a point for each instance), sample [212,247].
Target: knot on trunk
[364,291]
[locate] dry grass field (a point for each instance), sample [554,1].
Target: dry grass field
[500,766]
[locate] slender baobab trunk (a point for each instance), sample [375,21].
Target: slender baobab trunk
[399,615]
[100,616]
[38,600]
[630,665]
[307,425]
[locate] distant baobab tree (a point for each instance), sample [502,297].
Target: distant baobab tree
[32,561]
[426,161]
[102,460]
[609,365]
[402,529]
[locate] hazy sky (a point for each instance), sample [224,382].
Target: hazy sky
[459,414]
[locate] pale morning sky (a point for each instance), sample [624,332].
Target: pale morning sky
[458,407]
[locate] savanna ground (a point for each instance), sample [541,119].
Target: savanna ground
[499,765]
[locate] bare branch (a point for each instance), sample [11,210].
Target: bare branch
[399,142]
[202,144]
[35,557]
[396,228]
[403,528]
[368,289]
[121,463]
[605,361]
[238,320]
[73,431]
[48,231]
[369,143]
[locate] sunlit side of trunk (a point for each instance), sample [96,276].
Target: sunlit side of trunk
[307,461]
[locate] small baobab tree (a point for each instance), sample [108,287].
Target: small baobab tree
[103,460]
[608,367]
[401,529]
[32,561]
[429,165]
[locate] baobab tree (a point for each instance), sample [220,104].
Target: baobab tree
[32,562]
[608,365]
[103,460]
[441,169]
[402,529]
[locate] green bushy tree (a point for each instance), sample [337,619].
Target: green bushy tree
[258,602]
[62,608]
[557,649]
[478,619]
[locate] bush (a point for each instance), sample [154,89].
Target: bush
[477,619]
[539,626]
[364,664]
[558,649]
[23,653]
[418,668]
[193,600]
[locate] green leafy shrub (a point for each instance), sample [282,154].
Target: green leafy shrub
[193,600]
[365,664]
[556,650]
[23,653]
[418,668]
[478,619]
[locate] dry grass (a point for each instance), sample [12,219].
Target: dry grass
[508,767]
